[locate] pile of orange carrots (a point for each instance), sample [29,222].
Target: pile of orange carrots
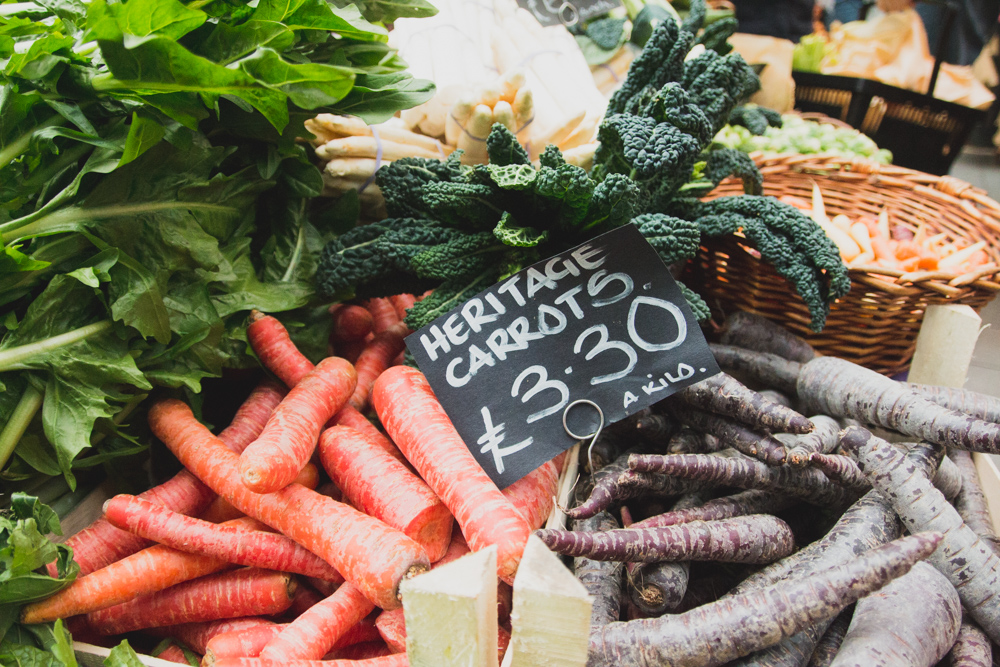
[286,536]
[875,242]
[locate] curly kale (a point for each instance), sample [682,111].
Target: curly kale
[755,118]
[400,179]
[696,16]
[701,311]
[674,239]
[607,32]
[796,246]
[726,162]
[464,256]
[460,204]
[551,157]
[567,191]
[446,296]
[504,148]
[715,37]
[661,62]
[616,200]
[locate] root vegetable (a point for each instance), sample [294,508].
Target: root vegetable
[289,438]
[948,478]
[533,496]
[222,595]
[970,402]
[741,504]
[351,418]
[841,469]
[402,303]
[418,424]
[197,635]
[763,368]
[757,538]
[350,323]
[839,388]
[368,553]
[655,428]
[760,334]
[655,588]
[823,439]
[912,622]
[101,544]
[275,349]
[689,441]
[969,563]
[763,447]
[244,643]
[603,580]
[383,313]
[726,396]
[239,544]
[382,487]
[806,483]
[722,631]
[971,503]
[618,483]
[971,649]
[317,630]
[374,359]
[829,643]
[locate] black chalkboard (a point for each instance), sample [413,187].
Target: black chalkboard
[568,12]
[604,321]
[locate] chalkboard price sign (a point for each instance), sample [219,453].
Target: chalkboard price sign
[604,321]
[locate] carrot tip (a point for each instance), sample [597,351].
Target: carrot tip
[256,315]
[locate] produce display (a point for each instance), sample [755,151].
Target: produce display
[221,222]
[876,241]
[794,134]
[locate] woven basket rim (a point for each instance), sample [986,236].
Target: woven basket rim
[936,191]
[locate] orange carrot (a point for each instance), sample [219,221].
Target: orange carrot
[384,488]
[198,635]
[154,569]
[351,323]
[316,631]
[534,494]
[377,356]
[402,303]
[394,660]
[362,652]
[101,544]
[245,643]
[368,553]
[275,349]
[503,641]
[220,510]
[222,595]
[350,417]
[383,314]
[173,653]
[305,597]
[289,438]
[254,548]
[417,423]
[362,631]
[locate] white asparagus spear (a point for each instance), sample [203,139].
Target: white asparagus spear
[457,118]
[349,126]
[503,113]
[351,167]
[369,147]
[473,140]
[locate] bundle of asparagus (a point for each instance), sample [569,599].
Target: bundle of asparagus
[567,104]
[353,152]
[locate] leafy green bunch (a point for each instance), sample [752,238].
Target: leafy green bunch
[152,192]
[460,229]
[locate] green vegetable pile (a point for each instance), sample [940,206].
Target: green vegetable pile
[460,229]
[152,192]
[795,135]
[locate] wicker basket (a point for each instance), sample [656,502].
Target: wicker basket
[876,324]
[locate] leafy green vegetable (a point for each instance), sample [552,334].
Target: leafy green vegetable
[152,191]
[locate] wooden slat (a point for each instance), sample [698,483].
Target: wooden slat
[989,478]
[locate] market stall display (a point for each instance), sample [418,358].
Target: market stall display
[343,514]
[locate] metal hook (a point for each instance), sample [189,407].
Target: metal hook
[593,436]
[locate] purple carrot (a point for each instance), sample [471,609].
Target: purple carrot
[760,446]
[726,396]
[689,441]
[970,402]
[868,523]
[912,622]
[841,469]
[758,538]
[739,504]
[761,368]
[839,388]
[615,482]
[823,439]
[806,483]
[972,648]
[602,579]
[969,563]
[725,630]
[760,334]
[949,479]
[659,587]
[829,643]
[971,503]
[655,428]
[776,397]
[602,453]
